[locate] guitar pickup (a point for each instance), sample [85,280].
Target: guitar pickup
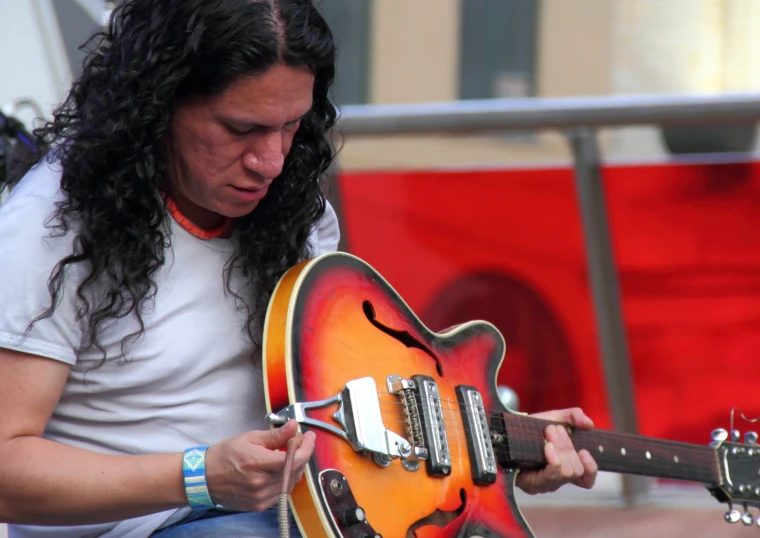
[478,435]
[438,462]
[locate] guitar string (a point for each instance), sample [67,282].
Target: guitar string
[531,436]
[515,441]
[694,467]
[534,437]
[523,423]
[493,412]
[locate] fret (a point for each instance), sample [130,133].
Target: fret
[616,452]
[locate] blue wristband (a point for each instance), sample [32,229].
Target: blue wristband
[194,473]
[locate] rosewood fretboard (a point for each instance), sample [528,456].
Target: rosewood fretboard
[616,452]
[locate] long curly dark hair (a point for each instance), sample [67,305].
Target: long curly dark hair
[109,136]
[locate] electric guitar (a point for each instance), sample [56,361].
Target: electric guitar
[412,439]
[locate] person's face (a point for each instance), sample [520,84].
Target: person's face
[226,149]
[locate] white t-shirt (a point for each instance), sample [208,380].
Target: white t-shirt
[190,379]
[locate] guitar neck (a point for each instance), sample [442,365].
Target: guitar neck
[616,452]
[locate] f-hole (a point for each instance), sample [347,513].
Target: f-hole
[402,336]
[439,518]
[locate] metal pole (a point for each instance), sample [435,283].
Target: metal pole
[606,296]
[332,177]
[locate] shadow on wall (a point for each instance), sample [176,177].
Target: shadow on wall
[538,363]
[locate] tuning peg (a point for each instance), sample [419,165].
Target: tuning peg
[732,516]
[736,436]
[750,438]
[719,435]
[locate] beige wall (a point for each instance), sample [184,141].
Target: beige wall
[574,38]
[414,51]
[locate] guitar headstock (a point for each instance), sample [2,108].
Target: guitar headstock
[739,466]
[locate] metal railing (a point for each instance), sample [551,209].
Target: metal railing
[577,117]
[549,113]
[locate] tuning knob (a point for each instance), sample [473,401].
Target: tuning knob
[352,516]
[750,438]
[732,516]
[719,435]
[736,436]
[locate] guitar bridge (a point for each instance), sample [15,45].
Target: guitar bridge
[426,425]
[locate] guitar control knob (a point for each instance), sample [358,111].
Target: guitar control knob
[352,516]
[747,519]
[750,438]
[732,516]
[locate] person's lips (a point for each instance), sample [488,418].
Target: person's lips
[251,194]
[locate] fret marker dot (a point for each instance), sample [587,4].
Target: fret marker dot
[622,451]
[601,449]
[675,459]
[649,455]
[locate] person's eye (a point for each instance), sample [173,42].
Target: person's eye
[238,132]
[293,124]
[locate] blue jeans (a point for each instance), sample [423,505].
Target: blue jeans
[209,523]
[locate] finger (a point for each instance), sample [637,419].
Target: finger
[560,469]
[590,470]
[558,435]
[275,438]
[573,416]
[306,449]
[580,419]
[553,469]
[264,498]
[547,479]
[295,480]
[572,467]
[266,461]
[263,485]
[537,481]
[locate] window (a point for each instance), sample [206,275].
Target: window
[349,21]
[498,51]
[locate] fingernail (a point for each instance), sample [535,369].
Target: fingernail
[311,434]
[550,447]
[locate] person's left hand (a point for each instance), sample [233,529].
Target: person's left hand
[564,464]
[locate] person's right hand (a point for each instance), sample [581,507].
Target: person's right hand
[245,472]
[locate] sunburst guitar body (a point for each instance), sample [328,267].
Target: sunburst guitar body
[412,439]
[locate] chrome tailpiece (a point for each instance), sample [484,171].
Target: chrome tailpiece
[360,418]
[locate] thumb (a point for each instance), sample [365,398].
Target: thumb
[276,437]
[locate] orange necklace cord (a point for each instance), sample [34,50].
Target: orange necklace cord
[194,230]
